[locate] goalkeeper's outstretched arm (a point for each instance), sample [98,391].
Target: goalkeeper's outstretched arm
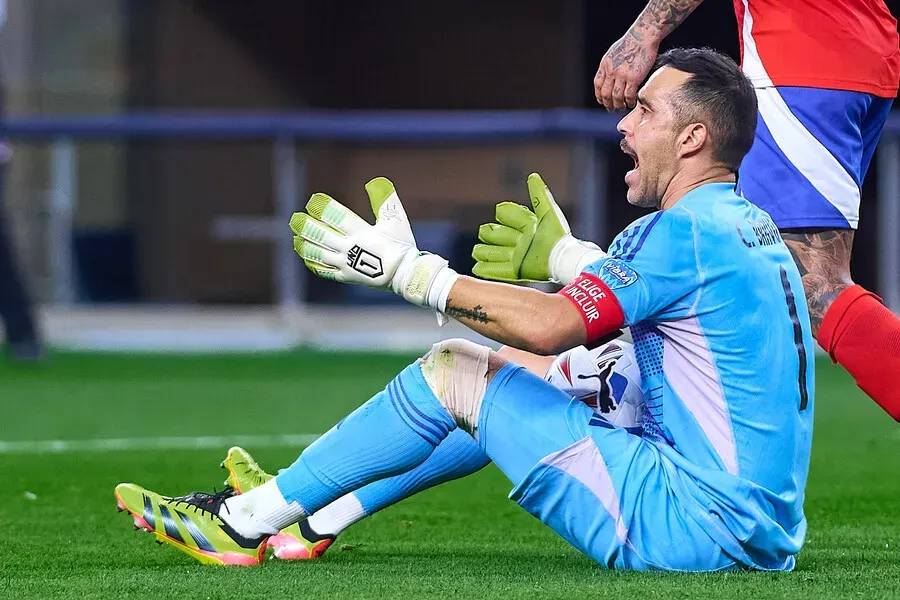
[335,243]
[582,312]
[520,317]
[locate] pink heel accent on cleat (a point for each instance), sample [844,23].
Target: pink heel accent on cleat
[288,547]
[140,523]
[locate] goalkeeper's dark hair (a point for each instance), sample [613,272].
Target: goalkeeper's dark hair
[718,95]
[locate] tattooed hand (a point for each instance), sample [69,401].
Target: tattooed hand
[628,62]
[624,66]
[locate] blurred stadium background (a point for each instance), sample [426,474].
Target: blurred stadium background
[159,148]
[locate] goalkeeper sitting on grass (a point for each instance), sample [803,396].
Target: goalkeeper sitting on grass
[710,292]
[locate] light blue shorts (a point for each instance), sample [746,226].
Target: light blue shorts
[604,490]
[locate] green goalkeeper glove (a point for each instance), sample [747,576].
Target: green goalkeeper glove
[336,243]
[531,245]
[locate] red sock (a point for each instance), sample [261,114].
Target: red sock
[862,335]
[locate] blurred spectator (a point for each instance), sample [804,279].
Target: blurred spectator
[15,307]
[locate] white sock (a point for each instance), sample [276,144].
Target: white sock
[337,516]
[261,511]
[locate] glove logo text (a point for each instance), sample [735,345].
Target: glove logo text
[364,262]
[390,213]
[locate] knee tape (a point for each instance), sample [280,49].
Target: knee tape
[456,371]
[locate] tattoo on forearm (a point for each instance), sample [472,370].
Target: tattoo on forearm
[476,313]
[823,258]
[659,17]
[666,15]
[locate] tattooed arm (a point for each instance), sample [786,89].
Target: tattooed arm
[520,317]
[628,62]
[823,257]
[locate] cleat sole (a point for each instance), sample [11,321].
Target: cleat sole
[288,547]
[140,523]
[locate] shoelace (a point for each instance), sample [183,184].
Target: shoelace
[203,502]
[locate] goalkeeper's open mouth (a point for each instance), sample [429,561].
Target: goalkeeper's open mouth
[629,176]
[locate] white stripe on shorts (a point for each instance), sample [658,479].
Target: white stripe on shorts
[808,155]
[582,460]
[801,148]
[752,63]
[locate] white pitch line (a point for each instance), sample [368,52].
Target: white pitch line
[157,443]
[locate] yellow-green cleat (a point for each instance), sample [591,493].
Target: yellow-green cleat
[296,542]
[191,524]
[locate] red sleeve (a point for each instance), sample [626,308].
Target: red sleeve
[599,308]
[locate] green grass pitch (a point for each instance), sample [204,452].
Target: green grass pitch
[61,537]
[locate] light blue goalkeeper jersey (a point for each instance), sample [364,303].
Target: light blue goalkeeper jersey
[722,336]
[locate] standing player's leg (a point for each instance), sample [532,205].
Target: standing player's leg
[857,330]
[15,305]
[854,327]
[823,257]
[806,168]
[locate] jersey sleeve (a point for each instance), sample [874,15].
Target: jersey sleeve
[653,269]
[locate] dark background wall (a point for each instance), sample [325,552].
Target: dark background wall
[393,54]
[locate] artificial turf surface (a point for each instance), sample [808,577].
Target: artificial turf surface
[61,537]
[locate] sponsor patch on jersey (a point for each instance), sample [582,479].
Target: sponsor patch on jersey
[616,274]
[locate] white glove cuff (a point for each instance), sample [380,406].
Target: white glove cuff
[424,279]
[570,256]
[440,288]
